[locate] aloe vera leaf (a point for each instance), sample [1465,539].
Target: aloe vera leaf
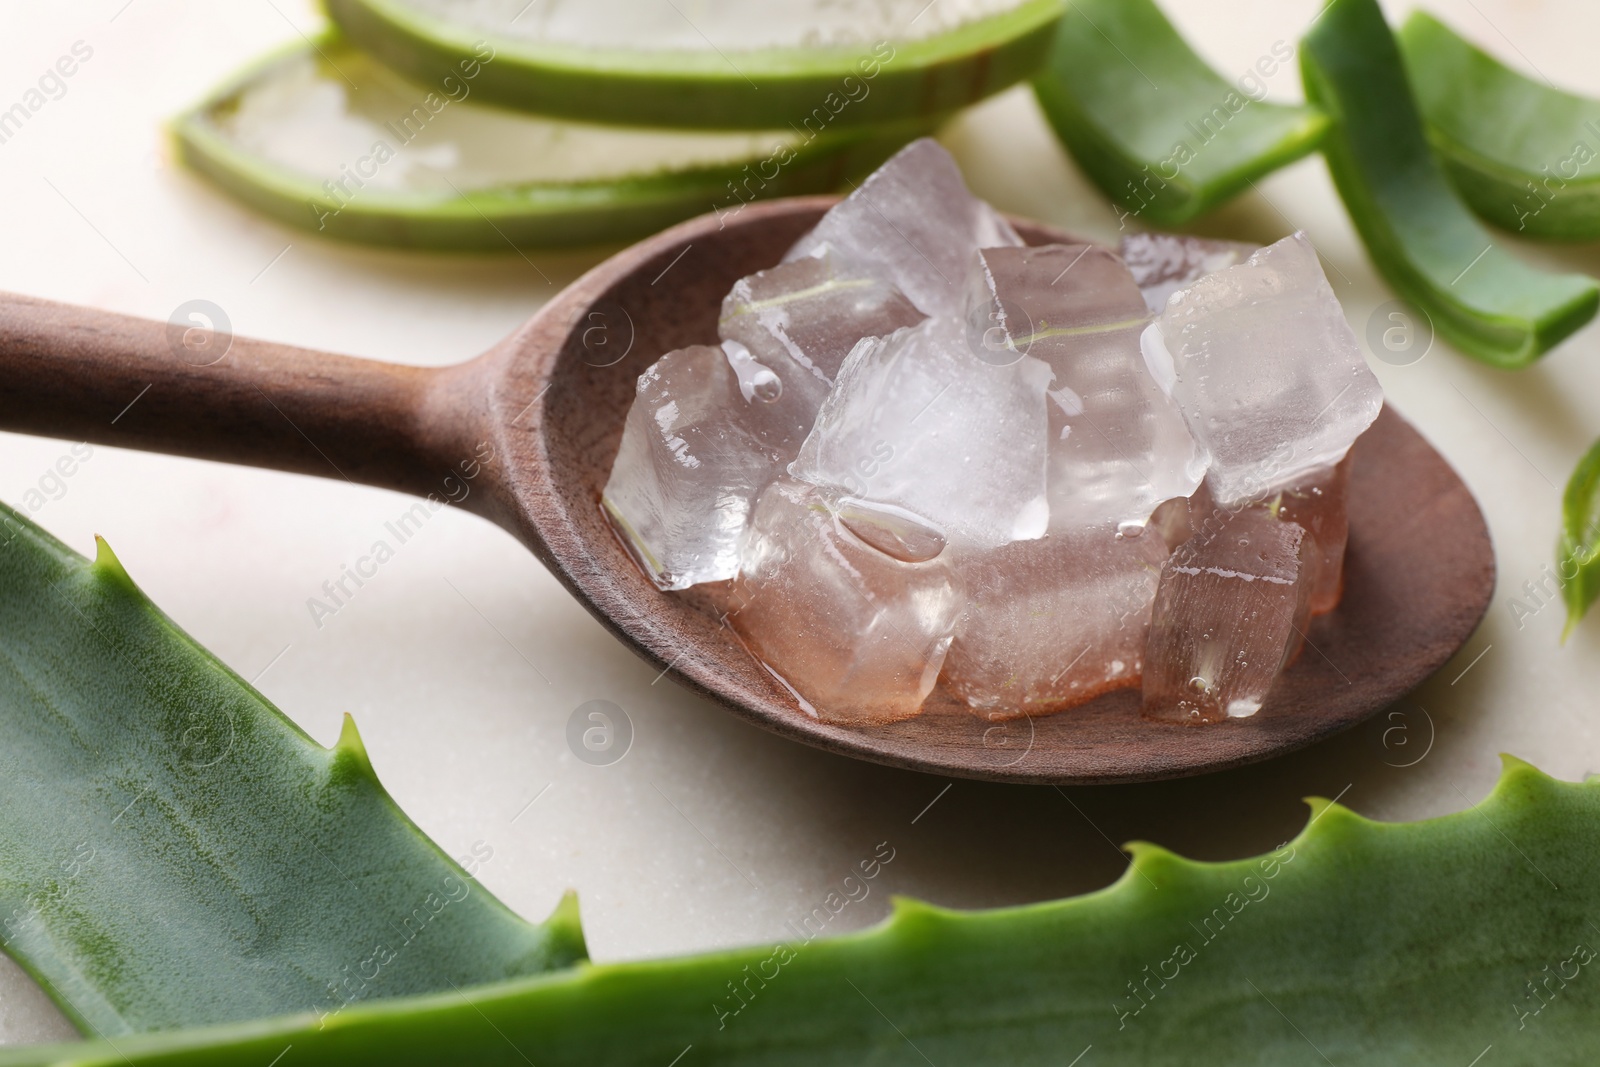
[1578,554]
[1357,942]
[173,851]
[324,138]
[1157,129]
[1523,155]
[715,87]
[1420,236]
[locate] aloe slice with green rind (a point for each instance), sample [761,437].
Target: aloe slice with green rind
[1357,942]
[173,851]
[901,75]
[1420,236]
[395,163]
[1525,156]
[1157,129]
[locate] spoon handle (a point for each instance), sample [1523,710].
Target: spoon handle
[89,375]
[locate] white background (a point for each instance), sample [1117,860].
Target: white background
[710,832]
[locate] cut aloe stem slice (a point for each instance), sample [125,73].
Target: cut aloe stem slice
[715,64]
[1157,129]
[1578,554]
[1521,153]
[1420,236]
[325,138]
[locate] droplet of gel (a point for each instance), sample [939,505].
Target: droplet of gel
[766,386]
[1130,529]
[757,381]
[896,532]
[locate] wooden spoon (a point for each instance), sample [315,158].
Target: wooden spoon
[549,401]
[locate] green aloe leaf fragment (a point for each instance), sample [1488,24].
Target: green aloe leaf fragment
[1420,236]
[173,851]
[1578,556]
[323,137]
[1157,129]
[722,64]
[1525,156]
[1357,942]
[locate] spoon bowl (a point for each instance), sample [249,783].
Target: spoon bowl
[525,435]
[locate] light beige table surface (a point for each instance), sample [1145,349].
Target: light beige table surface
[463,660]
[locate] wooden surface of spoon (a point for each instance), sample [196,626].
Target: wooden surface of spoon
[525,436]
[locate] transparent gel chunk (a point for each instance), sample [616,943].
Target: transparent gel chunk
[1052,623]
[858,635]
[1265,369]
[1118,444]
[1181,518]
[914,224]
[1318,502]
[917,421]
[801,319]
[1230,611]
[1163,263]
[895,532]
[701,441]
[1170,522]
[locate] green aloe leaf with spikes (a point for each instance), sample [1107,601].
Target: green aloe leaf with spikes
[173,853]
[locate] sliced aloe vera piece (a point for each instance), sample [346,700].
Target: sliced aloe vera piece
[715,64]
[1356,943]
[1420,236]
[1523,155]
[323,137]
[1157,129]
[173,851]
[1578,554]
